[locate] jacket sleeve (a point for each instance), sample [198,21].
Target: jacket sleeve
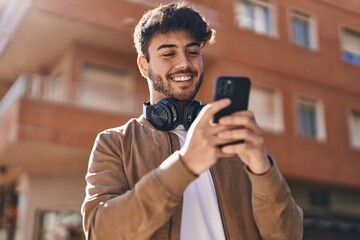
[276,213]
[113,211]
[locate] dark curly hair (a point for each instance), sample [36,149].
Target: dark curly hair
[170,18]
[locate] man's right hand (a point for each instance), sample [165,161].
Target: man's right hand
[201,149]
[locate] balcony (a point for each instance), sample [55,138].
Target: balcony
[47,124]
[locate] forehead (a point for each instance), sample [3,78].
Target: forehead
[177,39]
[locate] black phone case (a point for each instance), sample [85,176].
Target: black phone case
[235,88]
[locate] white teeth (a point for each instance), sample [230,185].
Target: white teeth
[181,78]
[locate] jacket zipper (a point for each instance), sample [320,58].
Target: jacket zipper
[220,204]
[170,152]
[169,229]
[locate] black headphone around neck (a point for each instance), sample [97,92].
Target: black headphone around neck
[167,114]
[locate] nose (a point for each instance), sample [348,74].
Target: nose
[183,62]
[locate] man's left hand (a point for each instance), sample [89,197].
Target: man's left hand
[242,126]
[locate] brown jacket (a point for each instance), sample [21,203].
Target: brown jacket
[136,180]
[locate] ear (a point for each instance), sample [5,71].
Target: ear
[142,65]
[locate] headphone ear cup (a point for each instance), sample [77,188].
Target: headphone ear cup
[191,111]
[164,115]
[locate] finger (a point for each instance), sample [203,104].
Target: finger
[211,108]
[244,119]
[232,149]
[221,142]
[245,114]
[241,134]
[241,114]
[214,129]
[212,143]
[209,132]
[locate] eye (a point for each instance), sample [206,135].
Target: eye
[168,54]
[194,53]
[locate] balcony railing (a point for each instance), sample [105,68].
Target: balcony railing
[72,93]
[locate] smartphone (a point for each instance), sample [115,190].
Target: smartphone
[233,87]
[238,90]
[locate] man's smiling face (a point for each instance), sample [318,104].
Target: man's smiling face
[175,67]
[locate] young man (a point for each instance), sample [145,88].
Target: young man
[164,175]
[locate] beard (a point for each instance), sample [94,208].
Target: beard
[162,85]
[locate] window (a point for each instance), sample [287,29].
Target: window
[351,46]
[106,87]
[267,106]
[59,224]
[303,30]
[256,15]
[311,118]
[355,127]
[106,76]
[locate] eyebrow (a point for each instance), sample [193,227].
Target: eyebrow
[173,45]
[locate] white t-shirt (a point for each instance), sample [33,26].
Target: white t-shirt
[201,218]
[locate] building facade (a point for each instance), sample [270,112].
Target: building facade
[68,71]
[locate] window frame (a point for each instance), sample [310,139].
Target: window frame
[349,115]
[342,50]
[313,39]
[128,84]
[272,24]
[320,119]
[90,91]
[278,121]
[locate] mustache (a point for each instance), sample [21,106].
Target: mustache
[183,71]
